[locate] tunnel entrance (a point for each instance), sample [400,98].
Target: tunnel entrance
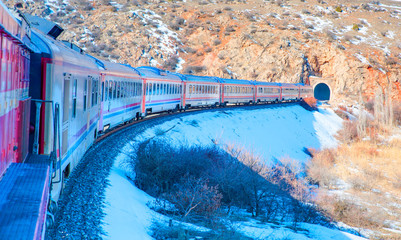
[322,92]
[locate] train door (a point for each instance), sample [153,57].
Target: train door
[102,100]
[222,93]
[66,113]
[149,92]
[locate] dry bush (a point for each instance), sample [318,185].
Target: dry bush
[171,63]
[216,42]
[194,69]
[397,113]
[195,196]
[319,168]
[349,132]
[391,61]
[309,103]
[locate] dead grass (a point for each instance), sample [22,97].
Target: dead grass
[368,176]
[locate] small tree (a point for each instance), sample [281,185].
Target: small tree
[195,196]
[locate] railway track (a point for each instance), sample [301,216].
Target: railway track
[80,213]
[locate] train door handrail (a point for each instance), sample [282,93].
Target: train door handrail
[55,158]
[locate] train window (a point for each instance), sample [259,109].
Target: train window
[122,90]
[93,92]
[85,93]
[111,90]
[117,96]
[106,91]
[114,86]
[74,98]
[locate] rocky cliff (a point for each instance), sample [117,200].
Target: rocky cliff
[355,43]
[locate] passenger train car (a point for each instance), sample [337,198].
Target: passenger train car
[76,97]
[14,85]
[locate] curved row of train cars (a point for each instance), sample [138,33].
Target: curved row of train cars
[55,100]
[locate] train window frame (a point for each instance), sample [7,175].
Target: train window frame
[106,90]
[74,98]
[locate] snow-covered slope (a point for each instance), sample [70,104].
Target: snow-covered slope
[273,133]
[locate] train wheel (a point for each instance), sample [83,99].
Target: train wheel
[49,220]
[53,207]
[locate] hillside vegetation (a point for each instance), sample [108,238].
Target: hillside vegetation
[359,183]
[356,43]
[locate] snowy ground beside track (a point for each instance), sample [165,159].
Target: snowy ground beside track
[272,133]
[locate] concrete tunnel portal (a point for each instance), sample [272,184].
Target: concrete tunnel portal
[322,92]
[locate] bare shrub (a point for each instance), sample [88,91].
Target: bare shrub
[318,168]
[250,16]
[216,42]
[349,132]
[208,49]
[332,36]
[195,196]
[391,61]
[397,113]
[189,50]
[193,69]
[230,29]
[171,63]
[309,103]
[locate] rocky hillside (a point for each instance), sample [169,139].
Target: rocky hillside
[356,43]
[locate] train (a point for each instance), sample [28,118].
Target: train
[56,100]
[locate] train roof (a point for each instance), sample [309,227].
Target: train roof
[235,81]
[194,78]
[288,84]
[58,51]
[152,72]
[258,83]
[118,69]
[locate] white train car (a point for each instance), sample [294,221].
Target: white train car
[200,91]
[236,91]
[69,79]
[267,92]
[305,91]
[289,92]
[121,95]
[163,90]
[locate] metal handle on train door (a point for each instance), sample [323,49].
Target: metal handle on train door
[57,140]
[37,120]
